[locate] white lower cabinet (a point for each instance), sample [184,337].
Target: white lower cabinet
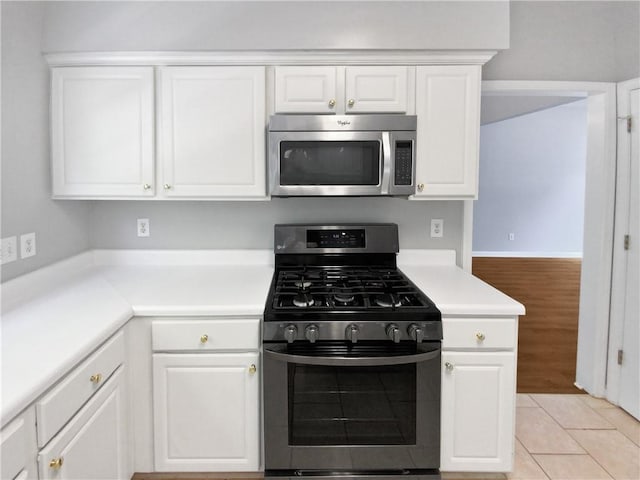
[18,447]
[478,402]
[478,393]
[206,412]
[94,442]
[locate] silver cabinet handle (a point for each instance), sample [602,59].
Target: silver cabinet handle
[167,186]
[146,186]
[351,102]
[332,103]
[448,366]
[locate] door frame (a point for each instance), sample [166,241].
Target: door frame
[600,190]
[618,281]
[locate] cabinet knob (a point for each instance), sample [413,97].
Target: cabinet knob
[351,102]
[56,463]
[448,366]
[420,187]
[332,103]
[204,338]
[97,378]
[480,336]
[167,186]
[252,368]
[146,186]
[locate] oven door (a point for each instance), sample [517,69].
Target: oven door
[343,407]
[329,163]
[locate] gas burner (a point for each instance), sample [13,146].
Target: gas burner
[302,283]
[303,300]
[344,298]
[387,300]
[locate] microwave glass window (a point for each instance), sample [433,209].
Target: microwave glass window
[330,163]
[352,405]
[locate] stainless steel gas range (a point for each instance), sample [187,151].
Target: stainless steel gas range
[351,359]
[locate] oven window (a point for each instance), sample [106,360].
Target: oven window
[330,163]
[352,405]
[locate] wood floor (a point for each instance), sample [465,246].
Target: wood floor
[549,288]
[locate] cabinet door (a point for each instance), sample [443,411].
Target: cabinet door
[478,410]
[213,136]
[206,412]
[448,110]
[376,89]
[102,131]
[18,447]
[306,90]
[93,444]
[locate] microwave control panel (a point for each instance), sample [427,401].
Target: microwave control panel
[403,163]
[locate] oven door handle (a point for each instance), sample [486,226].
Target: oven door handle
[351,361]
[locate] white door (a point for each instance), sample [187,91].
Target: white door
[94,443]
[629,396]
[213,132]
[376,89]
[448,110]
[306,90]
[478,392]
[206,412]
[102,142]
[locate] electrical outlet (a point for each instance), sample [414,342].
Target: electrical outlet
[512,236]
[27,245]
[8,250]
[437,227]
[143,227]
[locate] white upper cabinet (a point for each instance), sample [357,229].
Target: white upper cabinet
[376,89]
[212,132]
[448,110]
[102,131]
[305,89]
[340,90]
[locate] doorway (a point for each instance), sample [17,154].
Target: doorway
[595,270]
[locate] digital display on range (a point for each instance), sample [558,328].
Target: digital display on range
[336,238]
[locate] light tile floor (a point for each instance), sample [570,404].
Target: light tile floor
[571,437]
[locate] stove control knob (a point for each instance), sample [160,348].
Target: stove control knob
[393,332]
[352,333]
[416,332]
[311,332]
[290,333]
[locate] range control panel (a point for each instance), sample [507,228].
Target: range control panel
[403,163]
[336,238]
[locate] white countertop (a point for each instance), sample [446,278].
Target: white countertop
[55,317]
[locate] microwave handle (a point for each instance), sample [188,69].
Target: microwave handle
[386,163]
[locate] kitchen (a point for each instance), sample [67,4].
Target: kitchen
[67,228]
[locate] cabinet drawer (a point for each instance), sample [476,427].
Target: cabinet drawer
[14,452]
[206,335]
[479,333]
[93,444]
[61,403]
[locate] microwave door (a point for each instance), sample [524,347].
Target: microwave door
[326,163]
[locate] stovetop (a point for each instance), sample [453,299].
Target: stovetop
[349,288]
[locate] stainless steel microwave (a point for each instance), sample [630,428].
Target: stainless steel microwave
[341,155]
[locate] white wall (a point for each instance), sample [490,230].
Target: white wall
[62,228]
[201,225]
[532,183]
[570,40]
[233,25]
